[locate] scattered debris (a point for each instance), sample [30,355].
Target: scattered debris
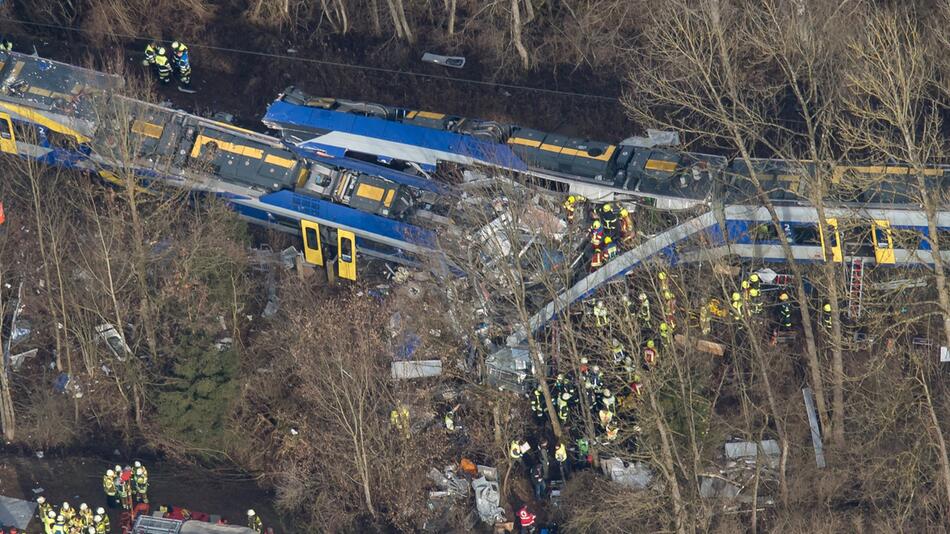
[742,464]
[487,499]
[455,62]
[17,359]
[404,370]
[510,369]
[815,429]
[16,512]
[636,475]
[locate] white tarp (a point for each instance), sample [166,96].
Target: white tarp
[636,475]
[16,512]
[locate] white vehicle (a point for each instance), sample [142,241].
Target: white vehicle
[108,334]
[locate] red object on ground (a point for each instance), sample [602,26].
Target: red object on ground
[526,517]
[3,217]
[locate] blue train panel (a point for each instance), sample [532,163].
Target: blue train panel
[321,121]
[360,222]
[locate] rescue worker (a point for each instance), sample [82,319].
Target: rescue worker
[604,416]
[563,407]
[163,65]
[59,526]
[49,518]
[141,485]
[67,511]
[705,321]
[182,62]
[649,354]
[570,207]
[627,234]
[537,480]
[669,308]
[664,281]
[150,50]
[596,233]
[594,382]
[518,449]
[6,45]
[600,314]
[609,216]
[537,403]
[644,314]
[449,420]
[666,335]
[608,401]
[254,522]
[610,433]
[597,259]
[86,514]
[784,312]
[76,523]
[616,350]
[560,456]
[754,281]
[636,387]
[826,319]
[123,490]
[526,520]
[399,419]
[101,521]
[737,306]
[137,464]
[610,247]
[755,301]
[43,508]
[108,486]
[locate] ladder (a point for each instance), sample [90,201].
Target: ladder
[856,289]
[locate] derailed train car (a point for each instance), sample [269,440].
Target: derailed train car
[73,117]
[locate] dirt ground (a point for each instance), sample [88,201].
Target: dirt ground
[76,479]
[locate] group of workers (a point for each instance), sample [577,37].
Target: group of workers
[179,63]
[611,229]
[123,486]
[69,520]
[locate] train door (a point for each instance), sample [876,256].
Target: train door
[346,254]
[883,242]
[7,139]
[312,249]
[831,246]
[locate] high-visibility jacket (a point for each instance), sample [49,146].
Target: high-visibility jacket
[254,523]
[785,315]
[183,64]
[150,52]
[68,513]
[514,450]
[610,220]
[141,483]
[163,66]
[108,485]
[644,313]
[76,522]
[44,509]
[563,409]
[605,417]
[47,523]
[737,310]
[600,314]
[59,527]
[611,250]
[537,402]
[570,208]
[102,527]
[649,356]
[560,453]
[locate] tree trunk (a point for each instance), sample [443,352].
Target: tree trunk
[516,34]
[937,431]
[450,6]
[401,15]
[679,509]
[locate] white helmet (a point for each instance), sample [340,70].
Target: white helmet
[41,499]
[101,511]
[97,518]
[110,473]
[91,530]
[65,506]
[118,468]
[139,471]
[51,514]
[250,513]
[83,506]
[137,463]
[60,518]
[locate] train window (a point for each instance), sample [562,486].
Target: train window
[346,250]
[5,129]
[943,239]
[763,232]
[25,132]
[60,140]
[312,241]
[806,235]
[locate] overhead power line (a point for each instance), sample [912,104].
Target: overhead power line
[336,64]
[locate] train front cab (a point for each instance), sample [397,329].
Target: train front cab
[313,249]
[883,240]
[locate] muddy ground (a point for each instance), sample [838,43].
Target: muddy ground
[77,478]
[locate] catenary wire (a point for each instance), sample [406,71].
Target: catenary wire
[336,64]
